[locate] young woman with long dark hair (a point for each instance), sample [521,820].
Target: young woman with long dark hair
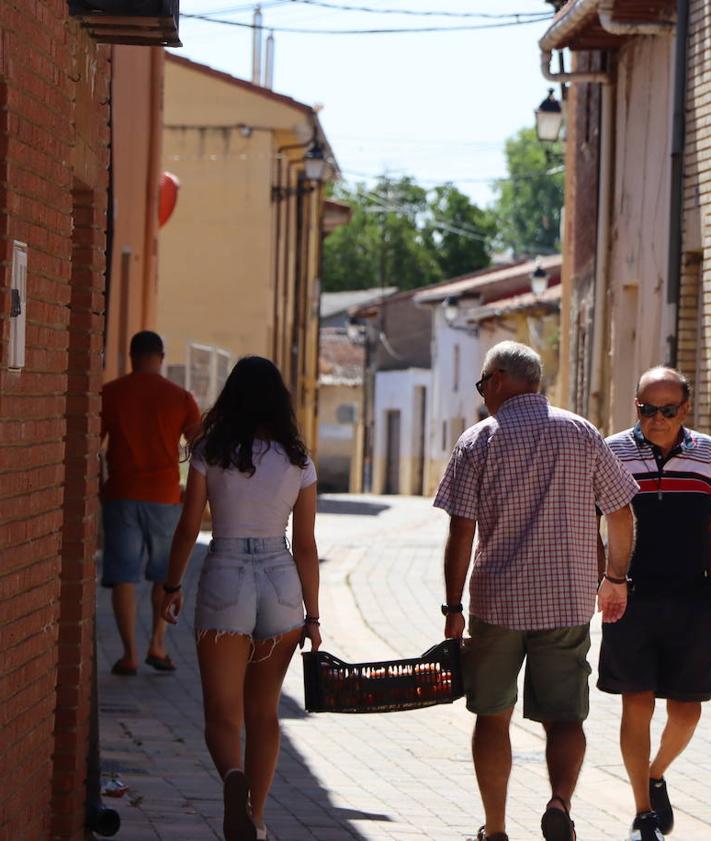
[255,601]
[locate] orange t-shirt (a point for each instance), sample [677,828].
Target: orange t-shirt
[144,416]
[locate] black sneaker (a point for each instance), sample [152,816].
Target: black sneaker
[645,827]
[661,805]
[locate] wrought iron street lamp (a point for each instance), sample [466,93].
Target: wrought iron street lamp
[313,174]
[549,119]
[539,278]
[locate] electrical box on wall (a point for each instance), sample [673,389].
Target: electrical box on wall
[18,307]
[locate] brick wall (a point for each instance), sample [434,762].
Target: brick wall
[695,303]
[53,137]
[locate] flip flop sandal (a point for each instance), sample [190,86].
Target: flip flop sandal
[237,824]
[161,664]
[556,824]
[120,668]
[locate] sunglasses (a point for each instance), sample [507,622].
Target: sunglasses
[649,410]
[480,385]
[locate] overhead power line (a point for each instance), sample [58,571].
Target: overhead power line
[524,176]
[421,13]
[392,31]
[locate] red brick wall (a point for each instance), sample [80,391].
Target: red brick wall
[53,134]
[695,303]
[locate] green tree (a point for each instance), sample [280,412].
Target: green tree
[529,202]
[457,232]
[400,235]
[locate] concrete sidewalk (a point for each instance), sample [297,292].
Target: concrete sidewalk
[405,776]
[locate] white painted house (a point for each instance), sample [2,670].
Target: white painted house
[492,305]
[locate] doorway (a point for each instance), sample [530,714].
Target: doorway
[392,452]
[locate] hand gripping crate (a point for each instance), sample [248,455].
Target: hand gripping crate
[330,685]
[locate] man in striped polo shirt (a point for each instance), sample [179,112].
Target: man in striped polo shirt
[528,479]
[661,648]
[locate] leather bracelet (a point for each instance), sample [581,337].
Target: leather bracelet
[612,580]
[170,590]
[311,620]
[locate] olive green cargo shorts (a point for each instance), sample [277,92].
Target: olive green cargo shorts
[555,684]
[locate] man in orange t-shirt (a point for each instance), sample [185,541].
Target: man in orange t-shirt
[144,416]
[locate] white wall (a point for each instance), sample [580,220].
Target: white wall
[454,405]
[397,391]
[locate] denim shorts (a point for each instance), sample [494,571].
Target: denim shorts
[137,532]
[249,585]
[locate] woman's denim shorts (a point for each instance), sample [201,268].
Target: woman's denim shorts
[249,585]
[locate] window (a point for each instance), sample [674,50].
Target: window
[176,374]
[346,413]
[206,372]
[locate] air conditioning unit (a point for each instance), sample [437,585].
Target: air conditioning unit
[148,23]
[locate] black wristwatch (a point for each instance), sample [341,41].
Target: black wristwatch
[449,609]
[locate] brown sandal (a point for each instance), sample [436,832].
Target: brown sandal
[556,824]
[497,836]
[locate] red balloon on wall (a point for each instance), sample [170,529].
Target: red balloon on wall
[169,186]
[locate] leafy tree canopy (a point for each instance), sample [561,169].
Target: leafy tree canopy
[402,235]
[528,206]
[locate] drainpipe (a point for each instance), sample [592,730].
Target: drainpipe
[602,253]
[670,318]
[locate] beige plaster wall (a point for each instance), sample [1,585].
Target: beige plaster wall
[216,278]
[136,120]
[640,219]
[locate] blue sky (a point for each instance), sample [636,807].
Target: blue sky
[437,106]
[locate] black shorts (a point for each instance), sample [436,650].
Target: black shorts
[662,644]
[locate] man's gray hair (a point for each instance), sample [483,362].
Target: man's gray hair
[519,361]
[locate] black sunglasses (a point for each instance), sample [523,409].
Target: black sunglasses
[649,410]
[479,386]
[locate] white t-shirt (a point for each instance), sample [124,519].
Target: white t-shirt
[254,506]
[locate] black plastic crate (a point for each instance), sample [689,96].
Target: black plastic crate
[330,685]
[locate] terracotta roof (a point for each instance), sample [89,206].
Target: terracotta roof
[340,362]
[549,300]
[492,284]
[335,302]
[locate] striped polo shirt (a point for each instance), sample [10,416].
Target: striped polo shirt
[673,509]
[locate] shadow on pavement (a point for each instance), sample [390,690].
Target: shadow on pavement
[331,505]
[151,738]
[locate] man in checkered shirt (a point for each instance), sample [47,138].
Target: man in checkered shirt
[528,479]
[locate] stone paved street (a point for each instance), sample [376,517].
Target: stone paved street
[400,776]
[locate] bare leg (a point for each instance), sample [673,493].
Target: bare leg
[682,718]
[261,705]
[565,751]
[491,749]
[223,663]
[156,647]
[637,711]
[123,600]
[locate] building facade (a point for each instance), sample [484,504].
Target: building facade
[492,305]
[241,257]
[636,274]
[55,133]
